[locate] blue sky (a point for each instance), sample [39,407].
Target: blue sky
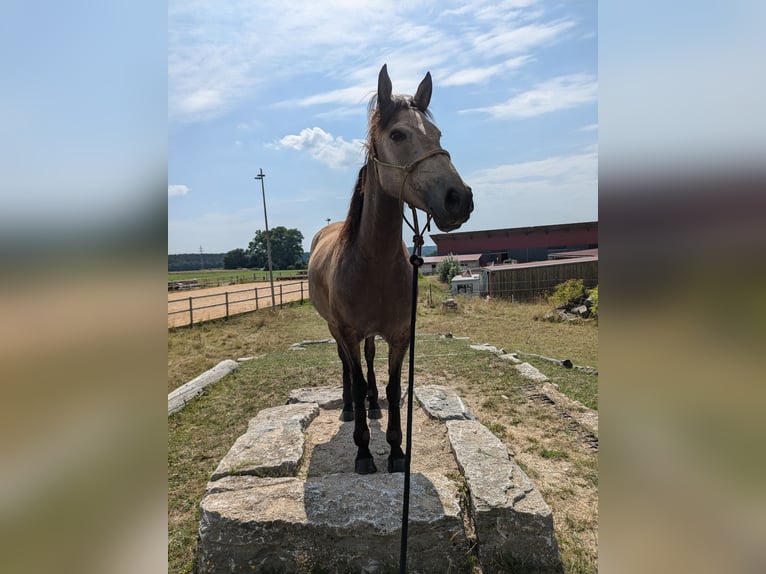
[284,87]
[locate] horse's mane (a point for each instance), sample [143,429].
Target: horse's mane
[353,219]
[377,119]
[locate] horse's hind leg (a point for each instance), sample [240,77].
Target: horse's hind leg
[372,388]
[347,414]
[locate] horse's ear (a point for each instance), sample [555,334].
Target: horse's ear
[384,88]
[423,95]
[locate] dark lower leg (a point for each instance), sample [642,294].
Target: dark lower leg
[372,387]
[394,428]
[364,463]
[394,394]
[347,414]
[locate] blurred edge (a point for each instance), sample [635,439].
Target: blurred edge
[682,316]
[83,216]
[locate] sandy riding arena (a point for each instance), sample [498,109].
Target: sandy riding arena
[216,302]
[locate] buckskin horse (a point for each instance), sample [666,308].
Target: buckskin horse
[360,276]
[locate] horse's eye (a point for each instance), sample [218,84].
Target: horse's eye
[398,136]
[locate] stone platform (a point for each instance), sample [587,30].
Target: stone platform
[285,497]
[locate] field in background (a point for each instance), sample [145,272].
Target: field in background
[242,275]
[546,445]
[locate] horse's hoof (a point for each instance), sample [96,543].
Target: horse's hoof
[375,414]
[395,465]
[365,466]
[346,416]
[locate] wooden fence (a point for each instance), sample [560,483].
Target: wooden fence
[207,282]
[186,311]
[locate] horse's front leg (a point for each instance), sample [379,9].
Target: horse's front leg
[372,387]
[364,463]
[394,395]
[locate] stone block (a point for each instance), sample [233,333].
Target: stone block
[273,444]
[528,371]
[512,520]
[325,397]
[442,403]
[331,397]
[332,523]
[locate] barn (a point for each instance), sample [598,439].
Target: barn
[529,281]
[519,244]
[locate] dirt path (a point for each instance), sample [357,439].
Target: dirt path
[210,303]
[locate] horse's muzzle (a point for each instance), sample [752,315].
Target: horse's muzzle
[455,209]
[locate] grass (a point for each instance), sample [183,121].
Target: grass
[245,274]
[201,434]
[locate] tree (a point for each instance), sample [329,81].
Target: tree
[286,248]
[448,268]
[235,259]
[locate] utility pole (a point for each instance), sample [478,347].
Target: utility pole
[328,221]
[201,259]
[260,176]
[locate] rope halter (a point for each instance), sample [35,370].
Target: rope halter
[408,169]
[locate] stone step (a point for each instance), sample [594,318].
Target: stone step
[333,523]
[285,498]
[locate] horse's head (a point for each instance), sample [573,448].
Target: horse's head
[411,164]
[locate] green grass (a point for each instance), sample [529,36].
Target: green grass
[201,434]
[242,274]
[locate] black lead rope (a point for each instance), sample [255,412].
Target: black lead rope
[416,260]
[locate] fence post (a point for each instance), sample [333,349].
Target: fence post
[301,292]
[191,313]
[227,305]
[256,298]
[280,295]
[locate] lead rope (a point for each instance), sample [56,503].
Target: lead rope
[416,260]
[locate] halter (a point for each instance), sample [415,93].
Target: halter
[408,169]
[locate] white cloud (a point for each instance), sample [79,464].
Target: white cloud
[573,173]
[322,146]
[503,40]
[556,94]
[213,65]
[478,75]
[174,190]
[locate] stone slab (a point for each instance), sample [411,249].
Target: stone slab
[331,397]
[490,348]
[325,397]
[273,444]
[528,371]
[333,523]
[285,498]
[510,515]
[442,403]
[178,399]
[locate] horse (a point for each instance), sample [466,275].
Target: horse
[360,276]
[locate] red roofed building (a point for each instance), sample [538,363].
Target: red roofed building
[519,244]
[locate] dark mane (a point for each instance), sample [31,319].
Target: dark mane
[351,226]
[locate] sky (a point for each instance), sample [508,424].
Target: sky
[284,87]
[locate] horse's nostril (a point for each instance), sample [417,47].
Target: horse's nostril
[452,201]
